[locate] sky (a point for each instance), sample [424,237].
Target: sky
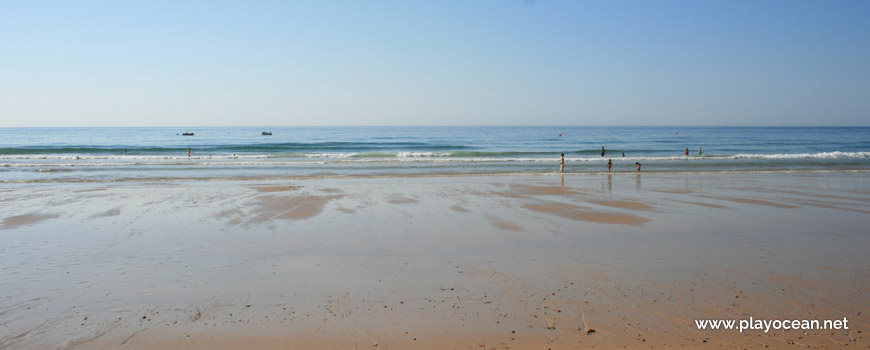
[445,62]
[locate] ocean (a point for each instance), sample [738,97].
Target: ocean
[32,155]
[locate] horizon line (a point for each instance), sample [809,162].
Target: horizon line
[439,126]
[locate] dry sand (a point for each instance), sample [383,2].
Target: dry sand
[520,262]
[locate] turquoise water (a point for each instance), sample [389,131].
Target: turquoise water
[119,154]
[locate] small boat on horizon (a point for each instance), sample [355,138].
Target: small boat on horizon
[267,133]
[187,134]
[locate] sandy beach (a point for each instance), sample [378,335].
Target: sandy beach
[457,262]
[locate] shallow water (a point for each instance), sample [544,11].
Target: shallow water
[117,154]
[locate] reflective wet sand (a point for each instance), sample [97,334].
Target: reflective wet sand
[511,262]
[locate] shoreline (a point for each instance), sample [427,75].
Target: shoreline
[437,175]
[433,262]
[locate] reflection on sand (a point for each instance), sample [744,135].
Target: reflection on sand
[759,202]
[267,208]
[433,263]
[708,205]
[579,213]
[523,189]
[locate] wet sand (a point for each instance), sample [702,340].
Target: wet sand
[15,221]
[512,262]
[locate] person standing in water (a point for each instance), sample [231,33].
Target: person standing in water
[562,164]
[699,151]
[189,153]
[609,164]
[623,154]
[602,151]
[686,151]
[637,165]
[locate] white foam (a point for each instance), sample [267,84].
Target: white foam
[422,154]
[823,155]
[331,155]
[356,158]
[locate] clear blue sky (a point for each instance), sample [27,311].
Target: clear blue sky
[464,62]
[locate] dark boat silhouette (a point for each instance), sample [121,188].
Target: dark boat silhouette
[267,133]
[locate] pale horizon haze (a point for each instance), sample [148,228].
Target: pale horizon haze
[331,63]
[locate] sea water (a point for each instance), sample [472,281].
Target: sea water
[153,154]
